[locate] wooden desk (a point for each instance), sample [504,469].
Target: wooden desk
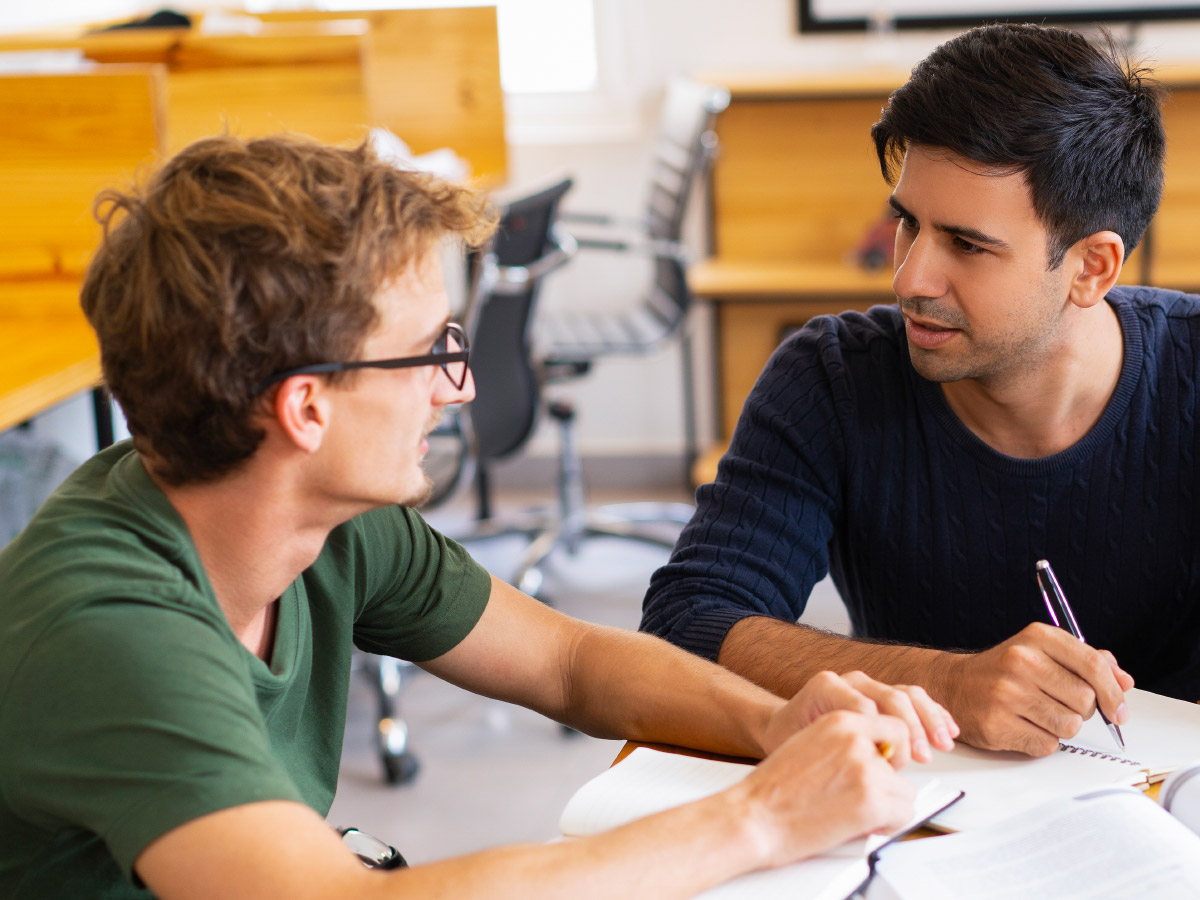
[44,360]
[430,75]
[796,184]
[67,137]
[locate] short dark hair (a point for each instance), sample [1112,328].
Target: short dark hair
[1080,121]
[240,259]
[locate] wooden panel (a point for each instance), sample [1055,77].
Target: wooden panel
[430,75]
[749,334]
[43,361]
[1175,259]
[796,180]
[263,100]
[126,45]
[433,77]
[65,138]
[740,279]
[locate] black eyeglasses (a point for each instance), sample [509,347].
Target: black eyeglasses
[451,352]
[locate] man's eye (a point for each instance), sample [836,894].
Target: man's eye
[966,246]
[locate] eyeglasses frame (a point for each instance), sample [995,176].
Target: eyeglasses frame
[442,360]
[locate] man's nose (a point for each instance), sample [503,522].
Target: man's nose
[445,393]
[918,269]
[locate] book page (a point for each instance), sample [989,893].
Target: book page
[1161,733]
[645,782]
[1110,845]
[650,781]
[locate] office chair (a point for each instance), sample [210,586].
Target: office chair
[572,342]
[505,278]
[683,154]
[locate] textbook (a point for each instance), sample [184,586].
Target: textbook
[650,781]
[1162,734]
[1107,844]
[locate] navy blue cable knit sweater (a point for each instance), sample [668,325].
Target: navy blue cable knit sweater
[846,461]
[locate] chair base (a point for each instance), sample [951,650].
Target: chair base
[388,675]
[645,521]
[652,523]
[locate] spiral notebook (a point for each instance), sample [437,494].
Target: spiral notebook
[1161,735]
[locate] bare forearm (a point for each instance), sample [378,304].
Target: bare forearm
[674,854]
[782,657]
[276,849]
[639,687]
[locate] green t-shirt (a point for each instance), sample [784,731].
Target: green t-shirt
[128,706]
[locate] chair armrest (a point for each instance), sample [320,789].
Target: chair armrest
[583,217]
[516,279]
[643,245]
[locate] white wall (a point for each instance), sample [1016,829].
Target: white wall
[631,406]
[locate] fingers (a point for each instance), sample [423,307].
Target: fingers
[1086,677]
[1035,688]
[883,797]
[1124,680]
[828,691]
[928,722]
[829,783]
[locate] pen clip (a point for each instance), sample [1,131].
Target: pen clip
[1060,599]
[1043,584]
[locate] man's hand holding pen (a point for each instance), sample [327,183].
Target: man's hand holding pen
[1031,690]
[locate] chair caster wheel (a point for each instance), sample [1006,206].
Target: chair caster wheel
[400,768]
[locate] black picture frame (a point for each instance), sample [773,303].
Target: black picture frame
[999,11]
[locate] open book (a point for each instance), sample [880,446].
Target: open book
[1109,844]
[650,781]
[1161,735]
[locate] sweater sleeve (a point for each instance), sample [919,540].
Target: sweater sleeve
[758,541]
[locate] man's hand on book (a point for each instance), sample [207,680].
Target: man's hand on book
[826,785]
[927,722]
[1029,691]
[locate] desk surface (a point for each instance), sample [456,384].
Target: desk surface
[43,361]
[731,280]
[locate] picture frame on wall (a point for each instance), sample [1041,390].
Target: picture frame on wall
[816,16]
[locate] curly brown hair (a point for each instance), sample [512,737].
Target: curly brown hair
[242,258]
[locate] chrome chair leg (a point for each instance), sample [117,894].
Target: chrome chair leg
[400,766]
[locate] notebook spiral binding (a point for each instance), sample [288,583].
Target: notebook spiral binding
[1097,754]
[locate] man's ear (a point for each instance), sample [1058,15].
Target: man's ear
[301,407]
[1098,259]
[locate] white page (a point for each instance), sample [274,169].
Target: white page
[1114,845]
[1161,732]
[822,878]
[645,782]
[650,781]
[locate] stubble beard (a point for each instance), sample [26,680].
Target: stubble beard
[421,496]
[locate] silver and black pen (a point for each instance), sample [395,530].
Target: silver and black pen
[1053,594]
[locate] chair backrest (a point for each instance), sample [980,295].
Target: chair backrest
[505,286]
[683,154]
[685,148]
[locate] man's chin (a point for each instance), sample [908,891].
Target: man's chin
[931,368]
[421,496]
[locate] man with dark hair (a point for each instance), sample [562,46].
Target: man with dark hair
[177,621]
[1013,406]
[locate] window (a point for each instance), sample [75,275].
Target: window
[546,46]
